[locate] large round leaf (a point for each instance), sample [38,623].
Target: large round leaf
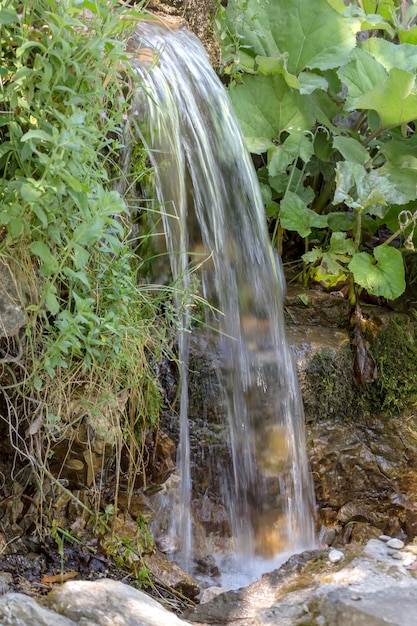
[265,106]
[382,274]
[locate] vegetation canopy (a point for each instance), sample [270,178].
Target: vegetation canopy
[80,377]
[326,96]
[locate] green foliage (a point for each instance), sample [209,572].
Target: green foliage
[93,329]
[330,107]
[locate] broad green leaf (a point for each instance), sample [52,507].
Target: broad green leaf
[309,82]
[266,106]
[385,277]
[401,168]
[332,266]
[362,74]
[395,100]
[313,33]
[390,55]
[381,7]
[351,149]
[340,220]
[341,245]
[370,191]
[294,147]
[272,66]
[295,215]
[409,35]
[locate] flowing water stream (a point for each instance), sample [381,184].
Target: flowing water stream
[214,218]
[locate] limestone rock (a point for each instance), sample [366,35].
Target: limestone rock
[16,609]
[394,606]
[107,603]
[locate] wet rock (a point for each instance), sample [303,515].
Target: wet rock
[172,575]
[308,589]
[317,308]
[350,484]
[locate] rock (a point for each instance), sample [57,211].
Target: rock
[316,308]
[210,593]
[107,603]
[394,606]
[16,609]
[335,556]
[172,575]
[376,549]
[368,590]
[397,544]
[12,300]
[6,579]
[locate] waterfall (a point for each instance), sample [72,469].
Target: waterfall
[212,207]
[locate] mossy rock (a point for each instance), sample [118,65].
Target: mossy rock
[394,349]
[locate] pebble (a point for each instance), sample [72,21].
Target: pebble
[335,556]
[397,544]
[384,538]
[397,555]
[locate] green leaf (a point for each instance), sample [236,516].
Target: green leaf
[380,7]
[37,134]
[295,215]
[51,302]
[381,275]
[362,74]
[395,100]
[408,35]
[401,168]
[31,190]
[390,55]
[272,66]
[81,256]
[351,149]
[294,147]
[7,15]
[49,262]
[370,191]
[309,82]
[311,31]
[266,106]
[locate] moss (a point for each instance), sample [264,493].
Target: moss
[395,351]
[328,387]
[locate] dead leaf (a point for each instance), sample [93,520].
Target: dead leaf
[58,578]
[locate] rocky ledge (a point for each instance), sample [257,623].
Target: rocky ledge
[367,585]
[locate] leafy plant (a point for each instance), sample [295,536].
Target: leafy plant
[94,328]
[330,107]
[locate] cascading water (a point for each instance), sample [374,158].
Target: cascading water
[208,188]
